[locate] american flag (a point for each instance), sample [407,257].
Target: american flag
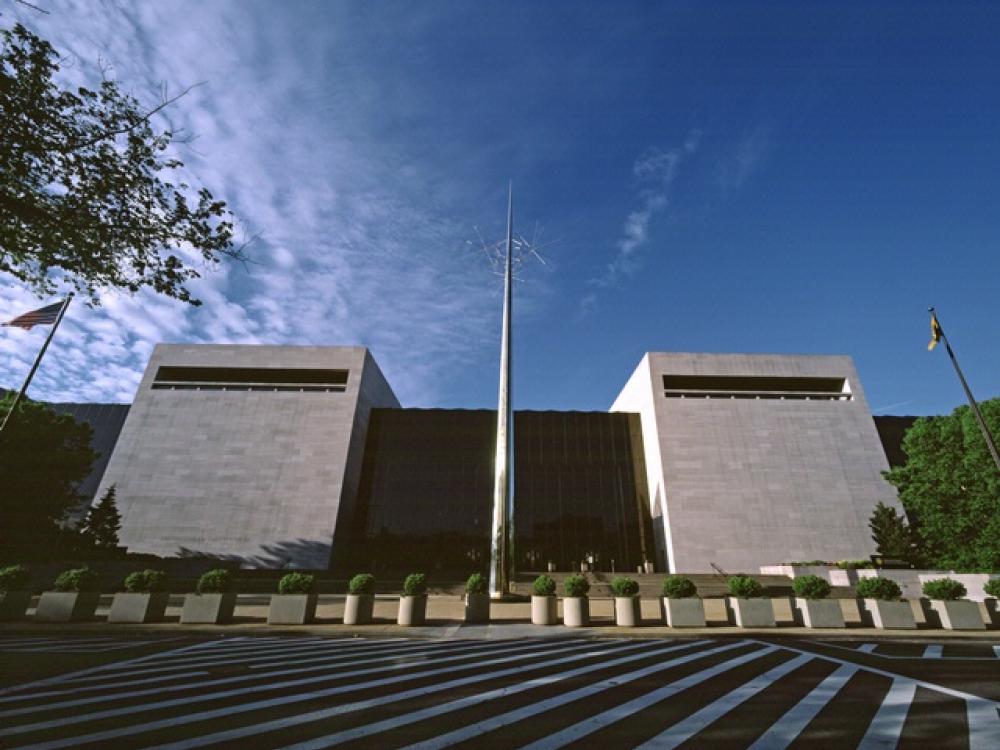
[44,316]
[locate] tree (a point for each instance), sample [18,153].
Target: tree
[950,489]
[43,457]
[82,197]
[890,532]
[102,523]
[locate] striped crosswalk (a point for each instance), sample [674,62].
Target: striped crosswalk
[66,645]
[305,693]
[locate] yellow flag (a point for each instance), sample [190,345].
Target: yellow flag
[935,333]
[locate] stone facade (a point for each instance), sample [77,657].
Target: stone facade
[745,468]
[261,475]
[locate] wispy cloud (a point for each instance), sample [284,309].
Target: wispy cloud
[654,171]
[744,158]
[359,241]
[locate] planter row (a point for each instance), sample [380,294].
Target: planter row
[299,609]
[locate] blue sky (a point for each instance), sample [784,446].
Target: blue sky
[792,177]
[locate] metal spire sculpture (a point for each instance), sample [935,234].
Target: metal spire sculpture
[502,538]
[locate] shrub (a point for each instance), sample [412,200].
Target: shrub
[623,586]
[576,586]
[415,584]
[217,581]
[854,564]
[992,588]
[808,563]
[811,587]
[944,589]
[77,579]
[297,583]
[146,581]
[543,586]
[477,584]
[878,588]
[745,587]
[14,577]
[362,583]
[679,587]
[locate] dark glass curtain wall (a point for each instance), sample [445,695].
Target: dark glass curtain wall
[426,491]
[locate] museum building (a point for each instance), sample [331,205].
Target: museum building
[288,456]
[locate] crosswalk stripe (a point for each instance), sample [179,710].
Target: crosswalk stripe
[319,715]
[784,731]
[92,688]
[263,704]
[984,725]
[594,723]
[887,724]
[331,673]
[996,651]
[683,730]
[933,651]
[867,648]
[530,710]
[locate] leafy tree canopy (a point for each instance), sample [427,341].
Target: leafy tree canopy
[890,532]
[950,488]
[43,456]
[82,192]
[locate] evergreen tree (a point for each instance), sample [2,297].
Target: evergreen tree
[891,533]
[103,522]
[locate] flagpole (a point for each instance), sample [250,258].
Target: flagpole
[990,442]
[38,359]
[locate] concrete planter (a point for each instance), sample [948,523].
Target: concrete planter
[14,604]
[477,608]
[358,609]
[66,606]
[684,613]
[819,613]
[543,610]
[889,615]
[751,613]
[138,607]
[412,610]
[576,611]
[211,609]
[292,609]
[627,614]
[958,615]
[993,611]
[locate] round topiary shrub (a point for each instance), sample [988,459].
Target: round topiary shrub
[362,583]
[944,589]
[14,577]
[811,587]
[744,587]
[576,586]
[878,588]
[624,586]
[146,581]
[77,579]
[297,583]
[992,588]
[217,581]
[679,587]
[477,584]
[543,586]
[415,584]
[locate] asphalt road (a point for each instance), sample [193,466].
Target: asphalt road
[315,692]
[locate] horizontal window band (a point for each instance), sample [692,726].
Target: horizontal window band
[755,384]
[299,376]
[161,386]
[765,396]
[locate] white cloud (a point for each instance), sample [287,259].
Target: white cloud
[655,171]
[359,244]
